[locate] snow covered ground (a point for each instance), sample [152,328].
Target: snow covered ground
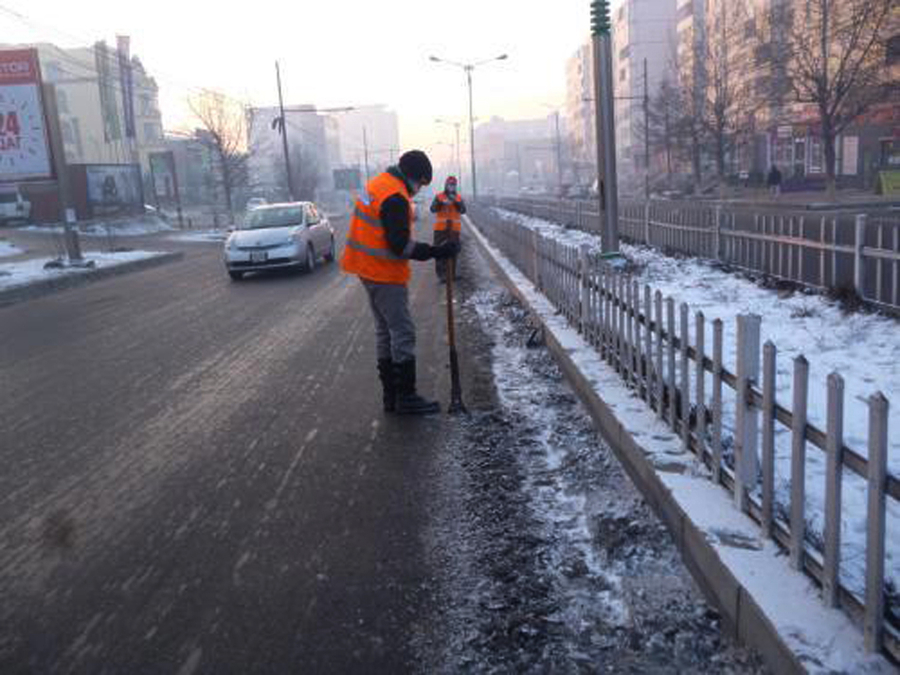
[8,249]
[13,275]
[200,236]
[134,227]
[863,348]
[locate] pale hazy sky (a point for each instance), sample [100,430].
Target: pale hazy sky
[333,52]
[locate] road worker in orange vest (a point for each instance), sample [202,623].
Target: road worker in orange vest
[448,208]
[378,249]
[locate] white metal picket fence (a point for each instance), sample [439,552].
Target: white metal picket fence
[819,250]
[639,333]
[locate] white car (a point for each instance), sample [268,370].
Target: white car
[278,236]
[13,206]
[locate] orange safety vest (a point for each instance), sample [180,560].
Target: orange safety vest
[447,216]
[366,252]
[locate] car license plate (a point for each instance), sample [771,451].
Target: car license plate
[258,256]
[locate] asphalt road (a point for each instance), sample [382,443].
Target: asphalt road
[197,476]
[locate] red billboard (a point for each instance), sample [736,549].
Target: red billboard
[24,146]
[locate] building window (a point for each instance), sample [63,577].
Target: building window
[52,71]
[685,11]
[816,156]
[893,50]
[66,128]
[150,132]
[62,101]
[622,74]
[622,13]
[624,52]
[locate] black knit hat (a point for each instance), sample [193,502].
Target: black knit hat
[416,166]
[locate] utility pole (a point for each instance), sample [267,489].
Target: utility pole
[282,123]
[366,152]
[646,134]
[606,130]
[469,70]
[559,179]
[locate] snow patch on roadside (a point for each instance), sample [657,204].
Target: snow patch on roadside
[136,227]
[8,249]
[15,275]
[200,236]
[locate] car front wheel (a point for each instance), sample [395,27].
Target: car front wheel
[310,259]
[236,276]
[329,257]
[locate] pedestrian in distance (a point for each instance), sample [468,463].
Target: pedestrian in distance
[378,249]
[448,207]
[774,181]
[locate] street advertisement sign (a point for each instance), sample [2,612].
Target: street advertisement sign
[162,169]
[114,188]
[24,144]
[347,179]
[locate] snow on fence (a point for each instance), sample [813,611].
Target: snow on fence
[818,250]
[635,330]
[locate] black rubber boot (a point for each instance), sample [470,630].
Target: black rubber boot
[389,390]
[408,401]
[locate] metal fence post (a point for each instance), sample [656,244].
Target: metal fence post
[660,374]
[873,624]
[647,222]
[685,379]
[718,330]
[700,351]
[536,262]
[768,438]
[670,350]
[717,232]
[859,277]
[648,345]
[585,287]
[746,434]
[834,448]
[798,460]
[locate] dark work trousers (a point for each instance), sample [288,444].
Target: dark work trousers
[440,266]
[395,332]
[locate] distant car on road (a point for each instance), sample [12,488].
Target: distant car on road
[14,207]
[256,202]
[280,236]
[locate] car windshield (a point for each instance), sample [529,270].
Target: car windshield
[275,217]
[7,197]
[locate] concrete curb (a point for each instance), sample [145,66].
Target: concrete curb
[743,616]
[44,287]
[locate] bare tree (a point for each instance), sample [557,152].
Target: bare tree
[837,63]
[730,102]
[667,125]
[224,133]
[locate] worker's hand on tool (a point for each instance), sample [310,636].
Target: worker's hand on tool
[446,250]
[423,251]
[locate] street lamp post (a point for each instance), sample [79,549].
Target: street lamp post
[607,186]
[468,68]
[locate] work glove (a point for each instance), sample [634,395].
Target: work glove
[446,250]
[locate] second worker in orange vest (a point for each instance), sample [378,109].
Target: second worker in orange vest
[378,249]
[448,208]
